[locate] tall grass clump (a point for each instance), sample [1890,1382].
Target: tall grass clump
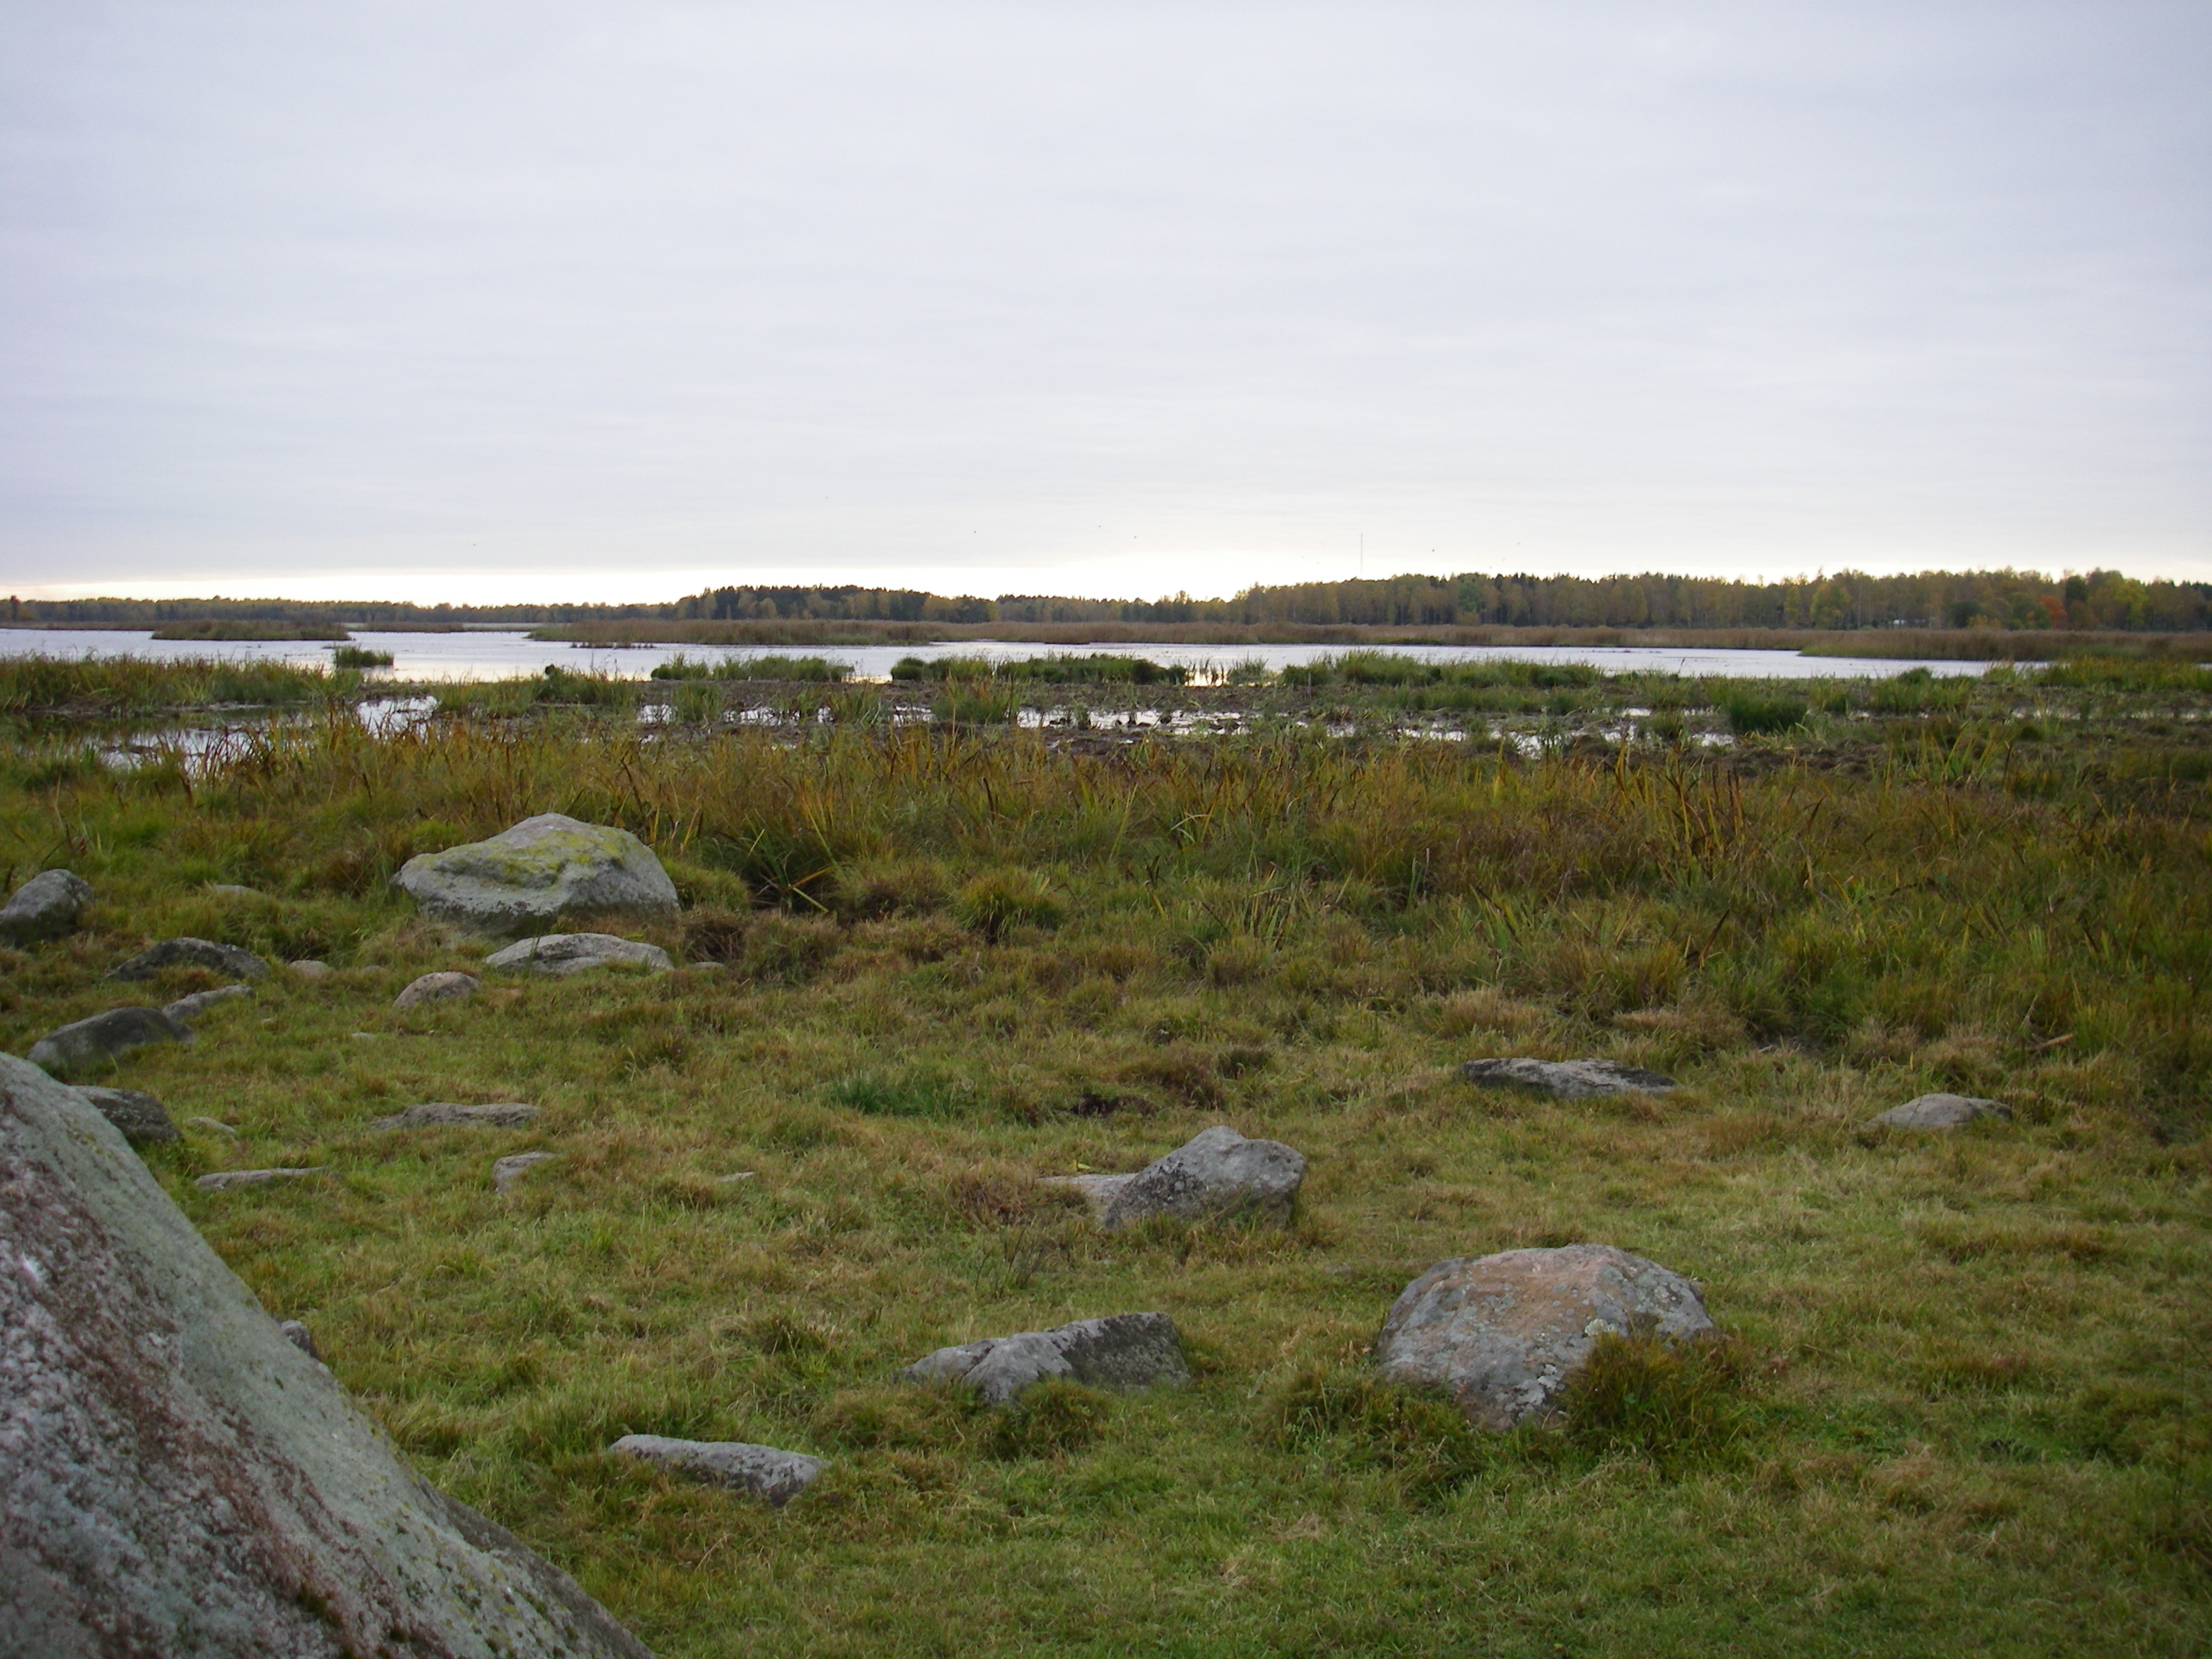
[770,666]
[1750,710]
[110,687]
[1099,668]
[358,656]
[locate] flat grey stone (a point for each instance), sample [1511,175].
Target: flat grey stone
[299,1336]
[94,1044]
[1506,1334]
[51,904]
[180,1480]
[231,889]
[436,987]
[190,953]
[213,1126]
[224,1180]
[763,1471]
[512,1169]
[444,1115]
[1099,1191]
[1942,1111]
[1121,1351]
[1569,1079]
[308,967]
[142,1118]
[543,867]
[185,1010]
[563,954]
[1216,1175]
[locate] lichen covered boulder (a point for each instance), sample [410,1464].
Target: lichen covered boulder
[181,1478]
[544,868]
[1217,1174]
[142,1118]
[1505,1334]
[49,905]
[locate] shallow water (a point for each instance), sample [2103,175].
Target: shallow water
[488,655]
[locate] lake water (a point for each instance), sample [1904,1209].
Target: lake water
[488,655]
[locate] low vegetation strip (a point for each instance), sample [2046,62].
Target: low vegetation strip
[1959,1401]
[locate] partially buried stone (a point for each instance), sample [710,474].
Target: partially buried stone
[1506,1334]
[767,1472]
[185,1010]
[224,1180]
[88,1044]
[542,867]
[299,1336]
[142,1118]
[213,1125]
[1121,1351]
[1942,1111]
[563,954]
[1216,1175]
[190,953]
[48,905]
[308,967]
[444,1115]
[436,987]
[512,1169]
[1569,1079]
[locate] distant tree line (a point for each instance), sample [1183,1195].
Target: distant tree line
[2102,600]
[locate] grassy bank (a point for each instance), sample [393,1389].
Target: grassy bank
[1969,1412]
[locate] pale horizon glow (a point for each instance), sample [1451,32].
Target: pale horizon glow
[579,302]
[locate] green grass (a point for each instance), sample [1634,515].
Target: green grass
[768,667]
[33,686]
[358,656]
[1961,1406]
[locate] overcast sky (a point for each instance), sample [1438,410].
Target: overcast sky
[478,300]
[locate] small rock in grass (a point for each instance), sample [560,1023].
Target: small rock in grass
[767,1472]
[142,1118]
[1940,1111]
[231,889]
[1217,1174]
[48,905]
[1569,1079]
[1506,1334]
[543,866]
[1121,1351]
[436,987]
[741,1174]
[190,953]
[87,1044]
[512,1169]
[299,1336]
[563,954]
[213,1125]
[223,1180]
[444,1115]
[308,967]
[186,1010]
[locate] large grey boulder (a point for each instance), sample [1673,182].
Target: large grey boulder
[142,1118]
[763,1471]
[1216,1175]
[563,954]
[180,1480]
[87,1045]
[190,953]
[187,1009]
[49,905]
[1121,1351]
[1569,1079]
[436,987]
[1506,1333]
[543,867]
[1940,1111]
[444,1115]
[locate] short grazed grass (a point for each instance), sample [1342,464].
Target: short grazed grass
[1962,1403]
